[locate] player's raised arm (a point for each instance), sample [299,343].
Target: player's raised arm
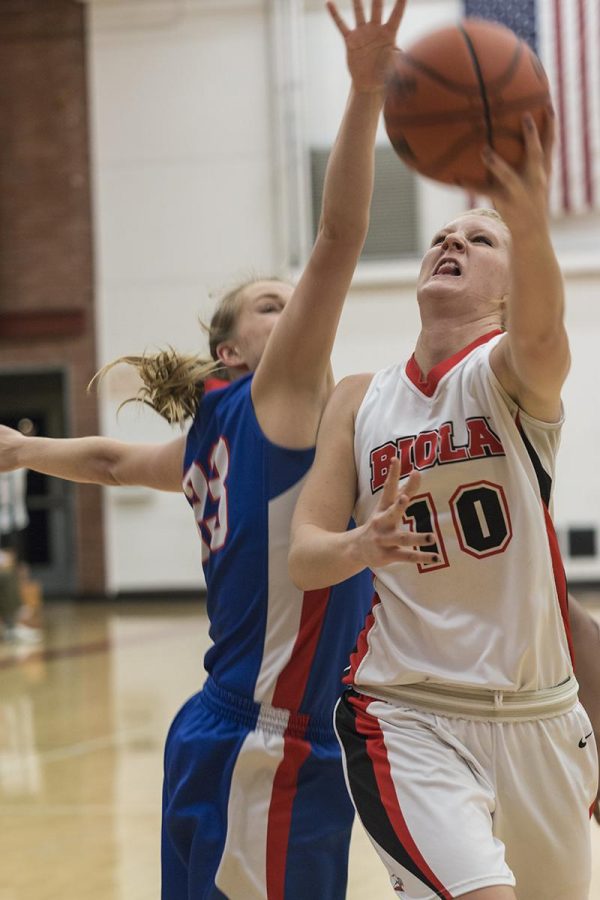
[533,360]
[95,460]
[290,383]
[322,552]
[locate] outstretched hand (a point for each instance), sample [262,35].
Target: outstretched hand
[10,442]
[384,538]
[370,45]
[521,196]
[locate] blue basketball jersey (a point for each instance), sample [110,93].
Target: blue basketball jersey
[271,643]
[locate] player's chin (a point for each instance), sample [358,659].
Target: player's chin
[444,284]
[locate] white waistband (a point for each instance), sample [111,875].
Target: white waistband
[480,703]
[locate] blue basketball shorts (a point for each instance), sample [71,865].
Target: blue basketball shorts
[255,805]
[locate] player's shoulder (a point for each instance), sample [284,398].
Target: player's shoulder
[352,388]
[348,395]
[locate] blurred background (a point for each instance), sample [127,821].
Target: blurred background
[153,153]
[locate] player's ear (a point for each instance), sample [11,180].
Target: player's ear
[229,354]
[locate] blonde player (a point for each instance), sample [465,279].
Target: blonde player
[468,756]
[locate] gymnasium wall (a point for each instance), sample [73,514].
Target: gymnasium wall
[46,267]
[198,182]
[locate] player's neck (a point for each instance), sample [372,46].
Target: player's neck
[442,339]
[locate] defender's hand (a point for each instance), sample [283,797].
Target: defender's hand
[370,45]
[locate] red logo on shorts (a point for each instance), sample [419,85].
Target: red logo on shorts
[397,884]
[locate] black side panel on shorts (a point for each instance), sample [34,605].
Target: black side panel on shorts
[365,791]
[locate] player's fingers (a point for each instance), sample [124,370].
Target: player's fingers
[408,490]
[416,539]
[504,174]
[533,143]
[359,13]
[390,488]
[399,536]
[400,554]
[396,15]
[376,12]
[339,22]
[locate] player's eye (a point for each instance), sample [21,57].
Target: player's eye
[438,239]
[482,239]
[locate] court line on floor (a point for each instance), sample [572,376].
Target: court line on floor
[17,809]
[118,739]
[23,654]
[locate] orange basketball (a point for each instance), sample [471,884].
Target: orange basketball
[458,89]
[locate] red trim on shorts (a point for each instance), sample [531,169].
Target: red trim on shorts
[427,385]
[362,644]
[285,787]
[288,694]
[369,726]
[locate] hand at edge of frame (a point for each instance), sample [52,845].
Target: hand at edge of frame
[370,45]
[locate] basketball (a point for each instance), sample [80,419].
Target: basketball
[459,89]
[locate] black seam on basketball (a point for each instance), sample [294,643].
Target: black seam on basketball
[449,155]
[453,152]
[502,80]
[455,86]
[495,84]
[482,89]
[465,115]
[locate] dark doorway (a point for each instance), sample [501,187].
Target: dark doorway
[48,545]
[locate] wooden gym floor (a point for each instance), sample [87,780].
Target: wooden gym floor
[82,724]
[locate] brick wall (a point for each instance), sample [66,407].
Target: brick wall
[46,274]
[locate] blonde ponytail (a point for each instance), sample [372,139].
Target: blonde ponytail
[173,384]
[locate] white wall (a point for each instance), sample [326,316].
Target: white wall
[188,198]
[183,203]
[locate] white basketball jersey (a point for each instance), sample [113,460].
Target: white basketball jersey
[492,612]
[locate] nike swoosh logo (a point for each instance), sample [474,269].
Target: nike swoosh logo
[584,740]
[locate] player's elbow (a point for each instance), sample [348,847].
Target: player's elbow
[115,469]
[298,571]
[303,567]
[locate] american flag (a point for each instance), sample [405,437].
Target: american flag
[565,34]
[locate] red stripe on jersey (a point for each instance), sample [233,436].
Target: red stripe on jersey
[593,808]
[362,644]
[427,385]
[369,726]
[560,579]
[214,384]
[285,786]
[291,683]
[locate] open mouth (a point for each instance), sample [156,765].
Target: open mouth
[448,267]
